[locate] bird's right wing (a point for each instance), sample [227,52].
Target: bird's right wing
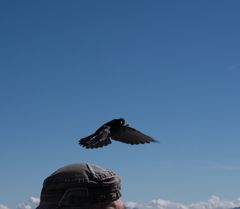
[98,139]
[131,136]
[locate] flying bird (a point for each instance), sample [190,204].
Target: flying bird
[115,129]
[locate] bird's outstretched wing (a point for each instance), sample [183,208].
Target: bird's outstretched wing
[130,135]
[98,139]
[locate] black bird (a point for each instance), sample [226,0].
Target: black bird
[116,130]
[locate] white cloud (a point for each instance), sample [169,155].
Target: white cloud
[166,204]
[3,206]
[34,200]
[132,205]
[24,206]
[214,202]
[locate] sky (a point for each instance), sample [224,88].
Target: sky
[170,68]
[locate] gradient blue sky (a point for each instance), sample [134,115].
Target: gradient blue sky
[171,68]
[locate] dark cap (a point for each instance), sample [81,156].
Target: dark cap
[76,184]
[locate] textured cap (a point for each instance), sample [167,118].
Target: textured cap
[75,184]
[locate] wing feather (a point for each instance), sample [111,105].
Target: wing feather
[98,139]
[130,135]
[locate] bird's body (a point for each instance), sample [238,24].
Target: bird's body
[116,130]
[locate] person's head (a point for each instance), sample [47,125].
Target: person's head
[81,186]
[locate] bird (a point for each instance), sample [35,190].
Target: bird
[115,129]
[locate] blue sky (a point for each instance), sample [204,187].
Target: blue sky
[170,68]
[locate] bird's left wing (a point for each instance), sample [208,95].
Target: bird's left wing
[131,136]
[98,139]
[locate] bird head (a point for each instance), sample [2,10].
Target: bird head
[121,121]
